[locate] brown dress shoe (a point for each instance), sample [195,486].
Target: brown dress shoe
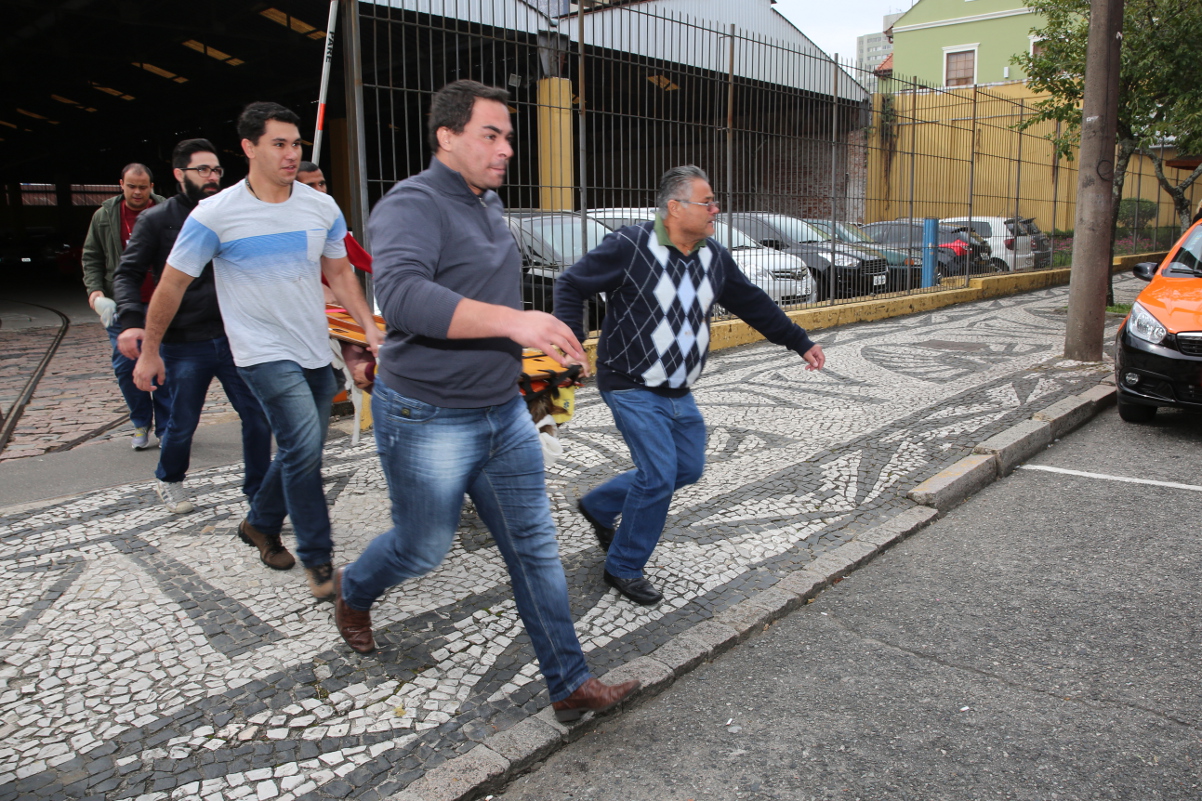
[592,696]
[353,625]
[271,551]
[321,581]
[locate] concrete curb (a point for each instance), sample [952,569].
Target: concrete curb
[999,454]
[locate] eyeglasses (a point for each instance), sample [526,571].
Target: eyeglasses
[709,204]
[205,170]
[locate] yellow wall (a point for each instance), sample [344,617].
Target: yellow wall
[950,153]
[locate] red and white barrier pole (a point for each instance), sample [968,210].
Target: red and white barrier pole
[325,82]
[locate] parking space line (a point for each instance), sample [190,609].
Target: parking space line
[1170,484]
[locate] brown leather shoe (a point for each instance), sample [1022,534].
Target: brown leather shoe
[353,625]
[271,551]
[592,696]
[321,581]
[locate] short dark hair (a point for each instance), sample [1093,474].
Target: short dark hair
[452,106]
[307,166]
[135,166]
[253,120]
[184,150]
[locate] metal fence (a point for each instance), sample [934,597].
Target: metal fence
[807,162]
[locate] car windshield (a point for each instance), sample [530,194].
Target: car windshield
[1188,260]
[562,234]
[737,241]
[795,229]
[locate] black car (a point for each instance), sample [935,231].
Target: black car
[550,242]
[1158,349]
[905,269]
[959,251]
[858,270]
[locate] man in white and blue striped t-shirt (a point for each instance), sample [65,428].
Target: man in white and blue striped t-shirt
[271,239]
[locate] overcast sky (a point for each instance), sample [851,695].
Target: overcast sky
[834,25]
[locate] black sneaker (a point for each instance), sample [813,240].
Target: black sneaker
[321,581]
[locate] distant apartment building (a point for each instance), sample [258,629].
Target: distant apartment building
[872,49]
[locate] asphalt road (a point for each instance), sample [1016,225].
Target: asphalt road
[1041,641]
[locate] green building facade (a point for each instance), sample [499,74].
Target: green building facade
[962,42]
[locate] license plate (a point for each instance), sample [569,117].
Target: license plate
[879,280]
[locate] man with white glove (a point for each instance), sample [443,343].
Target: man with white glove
[108,234]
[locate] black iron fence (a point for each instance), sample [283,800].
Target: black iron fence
[824,172]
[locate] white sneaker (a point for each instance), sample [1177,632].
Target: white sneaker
[173,497]
[141,438]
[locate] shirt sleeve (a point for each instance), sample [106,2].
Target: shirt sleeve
[406,231]
[602,269]
[335,247]
[752,304]
[195,247]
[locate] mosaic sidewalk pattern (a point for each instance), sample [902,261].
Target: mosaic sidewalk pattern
[149,656]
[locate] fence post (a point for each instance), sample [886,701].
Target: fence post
[930,240]
[1055,189]
[356,138]
[834,168]
[972,157]
[730,141]
[1018,183]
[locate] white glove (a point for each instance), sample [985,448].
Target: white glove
[107,309]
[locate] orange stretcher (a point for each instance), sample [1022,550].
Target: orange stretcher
[544,382]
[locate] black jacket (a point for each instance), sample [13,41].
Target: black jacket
[199,317]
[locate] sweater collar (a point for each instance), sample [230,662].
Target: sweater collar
[453,183]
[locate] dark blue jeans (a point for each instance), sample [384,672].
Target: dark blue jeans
[431,456]
[190,368]
[146,409]
[297,403]
[666,437]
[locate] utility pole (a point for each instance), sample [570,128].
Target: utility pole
[1095,215]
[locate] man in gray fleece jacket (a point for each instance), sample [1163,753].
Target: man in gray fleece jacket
[449,419]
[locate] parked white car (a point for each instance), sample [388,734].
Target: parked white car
[1007,237]
[785,278]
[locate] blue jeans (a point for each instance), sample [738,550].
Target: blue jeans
[666,438]
[297,403]
[191,367]
[145,408]
[431,456]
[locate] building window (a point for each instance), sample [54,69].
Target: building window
[38,195]
[92,194]
[960,68]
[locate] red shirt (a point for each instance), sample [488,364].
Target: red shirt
[128,218]
[359,258]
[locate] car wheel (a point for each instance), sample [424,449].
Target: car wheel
[998,265]
[1135,412]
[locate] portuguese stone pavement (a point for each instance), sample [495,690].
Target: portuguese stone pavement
[149,656]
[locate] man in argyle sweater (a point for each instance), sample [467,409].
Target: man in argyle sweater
[662,280]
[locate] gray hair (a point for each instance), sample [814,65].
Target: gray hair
[676,183]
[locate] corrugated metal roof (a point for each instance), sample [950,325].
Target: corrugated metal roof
[692,33]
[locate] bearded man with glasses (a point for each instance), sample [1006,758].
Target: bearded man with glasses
[194,349]
[662,280]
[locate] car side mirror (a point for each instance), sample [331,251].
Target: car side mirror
[1145,270]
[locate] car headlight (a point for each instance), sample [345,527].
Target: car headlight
[843,260]
[1142,325]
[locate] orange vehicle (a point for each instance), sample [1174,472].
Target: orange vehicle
[1158,350]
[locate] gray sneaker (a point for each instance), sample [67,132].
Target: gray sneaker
[141,438]
[173,497]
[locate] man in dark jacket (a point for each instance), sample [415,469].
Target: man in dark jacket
[108,232]
[194,349]
[662,280]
